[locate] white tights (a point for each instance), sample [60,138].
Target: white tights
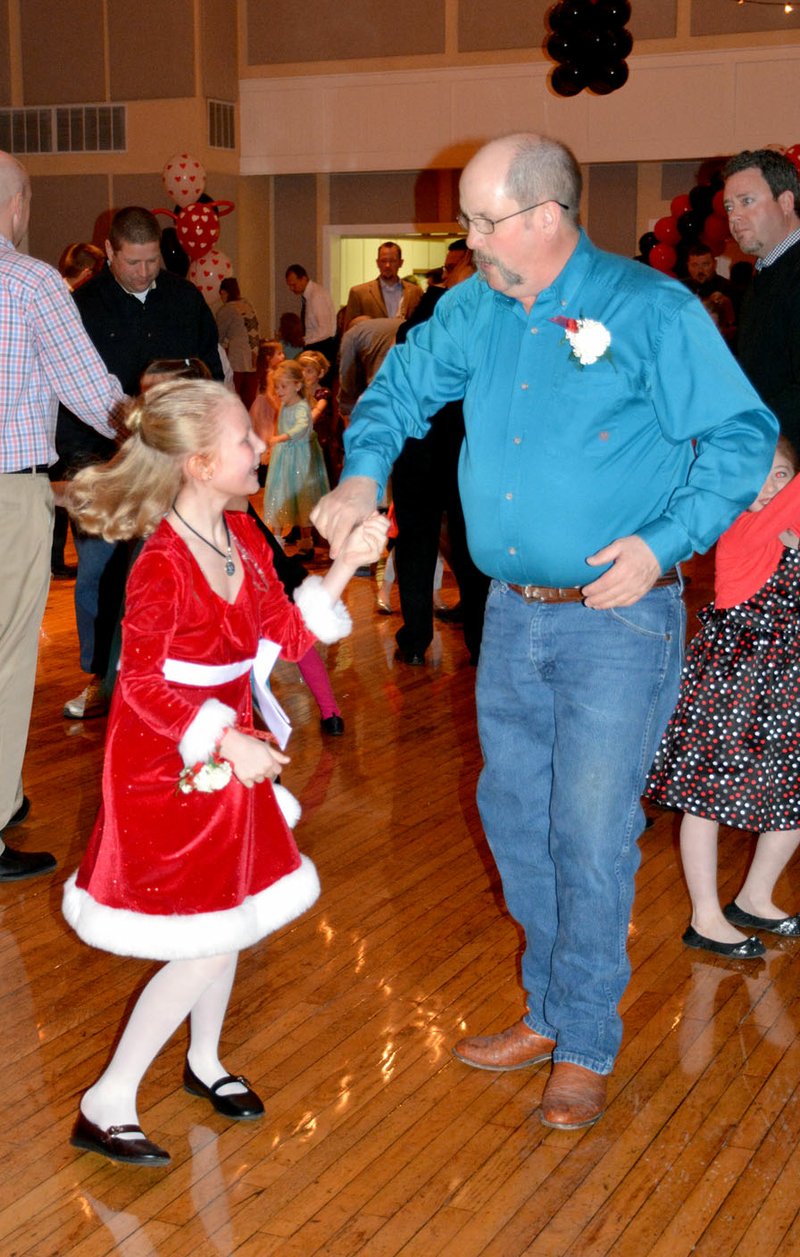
[198,989]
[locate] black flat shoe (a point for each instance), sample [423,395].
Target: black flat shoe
[789,927]
[244,1106]
[748,950]
[21,813]
[109,1143]
[15,866]
[332,725]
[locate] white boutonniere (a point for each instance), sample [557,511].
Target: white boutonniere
[589,339]
[208,777]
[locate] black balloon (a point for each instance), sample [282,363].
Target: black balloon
[566,46]
[620,44]
[690,225]
[569,79]
[609,78]
[569,15]
[175,259]
[614,12]
[700,199]
[646,243]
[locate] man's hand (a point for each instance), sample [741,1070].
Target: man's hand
[634,571]
[343,509]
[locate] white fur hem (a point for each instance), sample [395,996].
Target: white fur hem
[328,621]
[202,735]
[151,937]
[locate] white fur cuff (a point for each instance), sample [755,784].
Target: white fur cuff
[202,735]
[328,621]
[289,805]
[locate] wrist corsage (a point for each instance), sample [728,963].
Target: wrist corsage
[214,774]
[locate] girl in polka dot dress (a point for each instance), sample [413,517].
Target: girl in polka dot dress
[731,752]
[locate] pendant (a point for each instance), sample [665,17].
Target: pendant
[230,568]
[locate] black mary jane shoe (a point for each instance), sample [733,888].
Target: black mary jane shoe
[750,949]
[788,927]
[332,725]
[110,1143]
[241,1106]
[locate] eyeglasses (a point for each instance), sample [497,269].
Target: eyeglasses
[485,226]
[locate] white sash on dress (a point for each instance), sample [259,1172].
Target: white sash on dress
[183,672]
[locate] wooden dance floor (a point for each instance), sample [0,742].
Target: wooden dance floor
[376,1141]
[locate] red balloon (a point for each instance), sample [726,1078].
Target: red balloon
[715,232]
[663,257]
[680,204]
[718,204]
[793,154]
[666,229]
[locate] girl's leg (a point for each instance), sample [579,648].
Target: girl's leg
[699,858]
[167,999]
[206,1018]
[315,674]
[774,850]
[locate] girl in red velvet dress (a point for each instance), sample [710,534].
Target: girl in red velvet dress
[191,858]
[731,752]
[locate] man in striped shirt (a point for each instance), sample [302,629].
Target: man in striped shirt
[45,355]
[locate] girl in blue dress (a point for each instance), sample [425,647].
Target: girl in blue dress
[296,479]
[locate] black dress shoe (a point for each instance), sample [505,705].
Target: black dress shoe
[409,657]
[748,950]
[789,927]
[21,813]
[110,1143]
[15,866]
[242,1106]
[332,725]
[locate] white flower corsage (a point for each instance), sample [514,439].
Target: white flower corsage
[589,339]
[206,777]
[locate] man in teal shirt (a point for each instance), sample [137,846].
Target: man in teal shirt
[609,434]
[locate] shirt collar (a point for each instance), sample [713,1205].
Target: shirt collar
[787,243]
[564,289]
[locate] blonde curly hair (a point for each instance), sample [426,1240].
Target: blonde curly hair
[129,496]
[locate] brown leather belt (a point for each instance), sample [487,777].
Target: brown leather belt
[572,593]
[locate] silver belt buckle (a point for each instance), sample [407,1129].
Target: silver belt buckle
[532,593]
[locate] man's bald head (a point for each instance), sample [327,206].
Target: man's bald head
[15,198]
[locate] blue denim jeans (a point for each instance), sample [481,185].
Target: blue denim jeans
[571,706]
[99,587]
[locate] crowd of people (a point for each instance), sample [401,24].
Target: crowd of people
[580,425]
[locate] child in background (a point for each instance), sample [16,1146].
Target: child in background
[731,752]
[190,858]
[296,479]
[264,410]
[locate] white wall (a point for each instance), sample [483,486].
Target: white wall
[674,106]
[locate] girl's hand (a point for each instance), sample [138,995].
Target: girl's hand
[252,760]
[366,543]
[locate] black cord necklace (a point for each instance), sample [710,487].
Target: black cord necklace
[230,567]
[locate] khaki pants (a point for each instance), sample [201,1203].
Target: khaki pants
[26,528]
